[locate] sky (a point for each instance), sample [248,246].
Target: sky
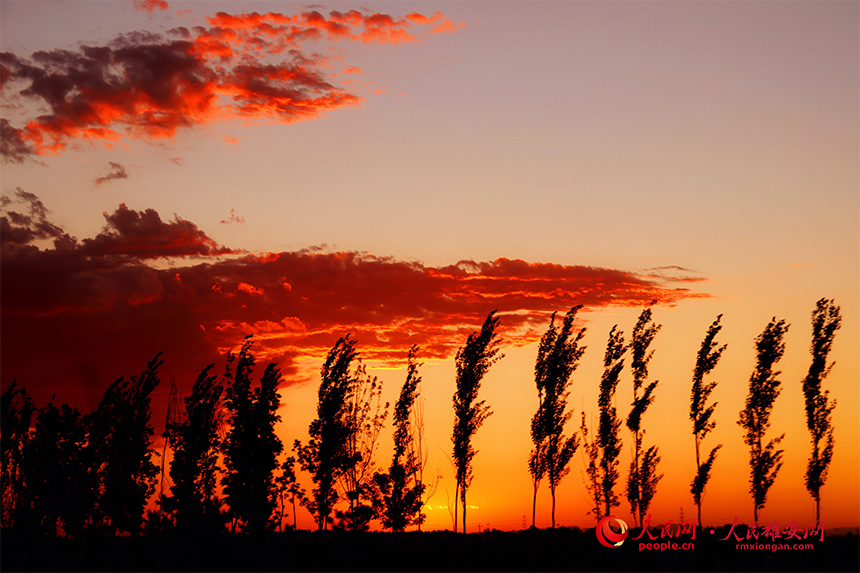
[177,175]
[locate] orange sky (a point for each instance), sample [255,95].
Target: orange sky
[177,175]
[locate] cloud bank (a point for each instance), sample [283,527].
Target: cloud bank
[145,285]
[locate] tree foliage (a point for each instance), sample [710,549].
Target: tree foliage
[120,441]
[700,412]
[764,387]
[593,483]
[558,356]
[251,447]
[196,443]
[826,320]
[326,455]
[609,439]
[365,418]
[642,479]
[60,491]
[16,414]
[473,360]
[400,488]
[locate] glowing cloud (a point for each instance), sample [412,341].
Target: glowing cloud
[296,303]
[148,86]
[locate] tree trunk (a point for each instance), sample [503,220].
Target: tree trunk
[699,467]
[552,490]
[534,504]
[456,504]
[464,510]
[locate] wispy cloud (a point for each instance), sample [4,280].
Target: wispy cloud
[233,218]
[117,171]
[148,86]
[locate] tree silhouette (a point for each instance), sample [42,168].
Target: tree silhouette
[288,484]
[121,443]
[326,454]
[55,470]
[826,320]
[400,488]
[765,460]
[609,440]
[558,356]
[700,413]
[473,360]
[642,479]
[593,483]
[251,447]
[365,418]
[196,444]
[16,413]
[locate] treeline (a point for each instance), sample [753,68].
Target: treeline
[67,473]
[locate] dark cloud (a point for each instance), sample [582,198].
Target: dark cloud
[102,301]
[146,86]
[233,218]
[117,172]
[93,274]
[13,147]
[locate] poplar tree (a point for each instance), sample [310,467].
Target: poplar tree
[700,413]
[609,439]
[473,360]
[400,488]
[764,387]
[826,320]
[593,484]
[54,467]
[196,445]
[642,479]
[365,419]
[326,454]
[251,447]
[16,414]
[120,441]
[558,356]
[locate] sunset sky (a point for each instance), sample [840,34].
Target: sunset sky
[177,175]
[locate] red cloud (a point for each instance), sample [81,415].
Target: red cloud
[150,5]
[95,274]
[143,85]
[102,303]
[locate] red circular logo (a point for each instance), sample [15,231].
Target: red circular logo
[608,537]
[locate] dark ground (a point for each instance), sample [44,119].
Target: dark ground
[536,550]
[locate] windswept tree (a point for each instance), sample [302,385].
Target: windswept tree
[608,436]
[400,488]
[558,356]
[365,418]
[826,320]
[326,454]
[16,413]
[120,441]
[764,387]
[701,412]
[251,447]
[196,443]
[593,484]
[288,485]
[55,469]
[473,360]
[642,479]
